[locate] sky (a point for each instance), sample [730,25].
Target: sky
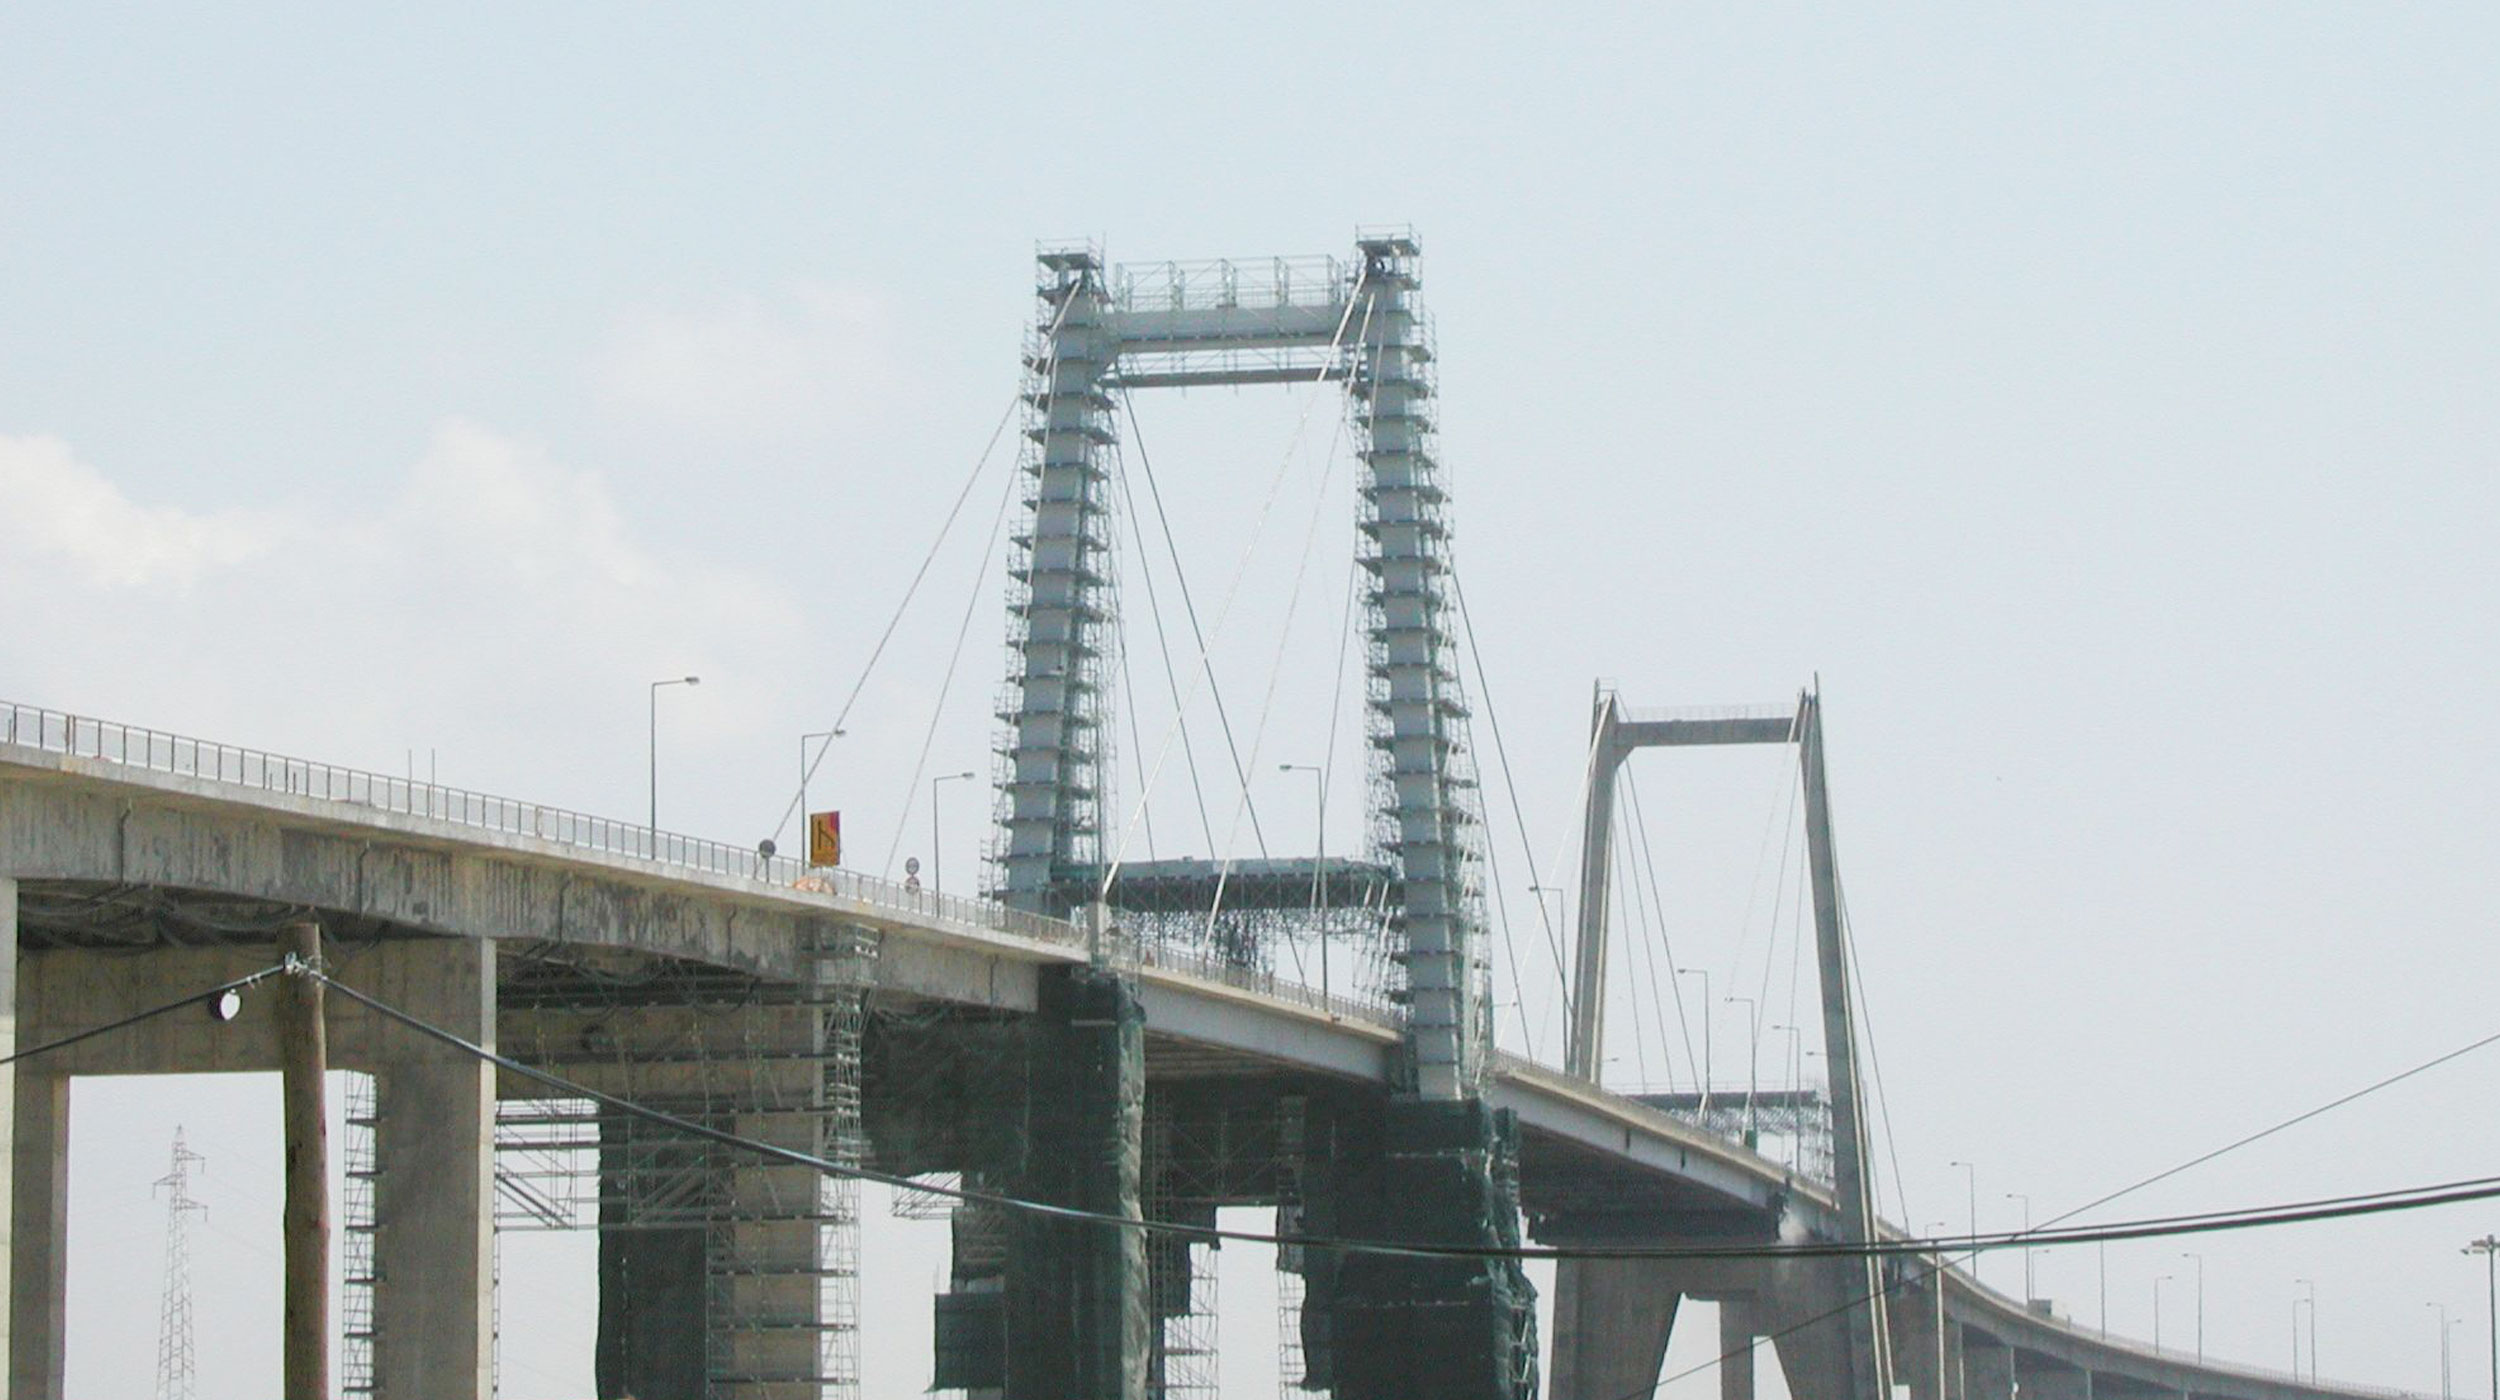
[2099,402]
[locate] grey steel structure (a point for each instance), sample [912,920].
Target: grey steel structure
[1102,333]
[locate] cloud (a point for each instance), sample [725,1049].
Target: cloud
[751,366]
[490,594]
[62,511]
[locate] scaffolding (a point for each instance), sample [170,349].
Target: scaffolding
[357,1223]
[773,1061]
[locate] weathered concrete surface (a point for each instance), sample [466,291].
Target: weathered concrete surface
[1612,1320]
[434,1200]
[102,824]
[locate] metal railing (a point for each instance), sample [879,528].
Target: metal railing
[78,736]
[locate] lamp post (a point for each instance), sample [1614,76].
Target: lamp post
[654,852]
[2101,1248]
[2157,1283]
[2489,1247]
[1753,1058]
[1973,1181]
[2447,1387]
[2200,1305]
[806,843]
[2029,1290]
[1796,1057]
[2312,1300]
[1704,974]
[1319,875]
[934,863]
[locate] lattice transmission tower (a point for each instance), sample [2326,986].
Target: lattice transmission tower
[177,1365]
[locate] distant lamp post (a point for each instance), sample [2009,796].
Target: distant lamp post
[2489,1247]
[1971,1175]
[2447,1384]
[935,864]
[2200,1305]
[1704,974]
[2309,1300]
[1319,875]
[1796,1057]
[654,852]
[1753,1060]
[2030,1285]
[2157,1283]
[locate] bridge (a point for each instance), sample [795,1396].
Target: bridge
[698,1049]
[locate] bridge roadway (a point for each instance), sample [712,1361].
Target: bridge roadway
[89,807]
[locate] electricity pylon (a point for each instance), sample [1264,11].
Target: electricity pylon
[176,1367]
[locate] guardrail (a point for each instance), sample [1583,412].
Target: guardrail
[81,736]
[156,751]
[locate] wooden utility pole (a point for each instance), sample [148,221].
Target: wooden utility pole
[303,1061]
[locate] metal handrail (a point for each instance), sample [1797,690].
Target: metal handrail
[105,741]
[156,751]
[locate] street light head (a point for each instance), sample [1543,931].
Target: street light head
[694,680]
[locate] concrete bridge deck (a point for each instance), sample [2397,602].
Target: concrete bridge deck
[89,807]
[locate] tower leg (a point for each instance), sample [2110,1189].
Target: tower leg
[1076,1311]
[1612,1319]
[434,1237]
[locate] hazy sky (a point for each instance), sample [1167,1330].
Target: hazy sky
[2101,401]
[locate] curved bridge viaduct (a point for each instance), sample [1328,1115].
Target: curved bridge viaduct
[135,868]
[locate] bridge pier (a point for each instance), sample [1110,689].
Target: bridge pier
[434,1196]
[1737,1330]
[2037,1378]
[1987,1367]
[36,1198]
[1612,1321]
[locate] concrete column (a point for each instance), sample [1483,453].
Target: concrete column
[37,1200]
[1736,1336]
[1612,1318]
[1076,1307]
[2046,1382]
[434,1197]
[1987,1368]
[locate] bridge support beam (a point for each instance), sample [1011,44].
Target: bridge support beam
[1612,1319]
[434,1235]
[34,1206]
[1987,1368]
[1737,1330]
[2045,1380]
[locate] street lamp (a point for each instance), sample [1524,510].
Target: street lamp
[1753,1057]
[806,843]
[933,819]
[654,852]
[1796,1057]
[1704,974]
[2029,1290]
[2200,1305]
[2489,1247]
[2447,1386]
[1973,1174]
[1319,874]
[2157,1283]
[2312,1301]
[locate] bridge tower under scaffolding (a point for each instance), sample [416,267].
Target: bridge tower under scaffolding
[1441,1166]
